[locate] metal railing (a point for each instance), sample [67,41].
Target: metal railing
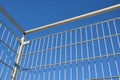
[78,54]
[8,51]
[90,52]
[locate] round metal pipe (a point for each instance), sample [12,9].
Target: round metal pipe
[75,18]
[11,20]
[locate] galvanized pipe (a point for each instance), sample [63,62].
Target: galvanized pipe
[18,58]
[101,11]
[11,20]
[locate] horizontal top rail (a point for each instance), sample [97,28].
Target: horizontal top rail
[74,18]
[11,20]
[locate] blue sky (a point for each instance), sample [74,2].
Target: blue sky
[33,13]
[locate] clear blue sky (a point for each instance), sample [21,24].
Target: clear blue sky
[33,13]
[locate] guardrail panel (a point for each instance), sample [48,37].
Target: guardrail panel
[90,52]
[8,51]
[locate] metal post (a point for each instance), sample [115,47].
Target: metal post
[17,62]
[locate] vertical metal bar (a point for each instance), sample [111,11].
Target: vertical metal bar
[70,55]
[1,39]
[6,55]
[18,59]
[24,62]
[29,54]
[65,73]
[25,56]
[20,63]
[15,71]
[82,54]
[11,55]
[50,58]
[2,70]
[55,56]
[113,49]
[87,53]
[45,59]
[93,52]
[27,64]
[119,47]
[99,48]
[1,57]
[106,52]
[76,50]
[41,59]
[38,53]
[7,36]
[29,60]
[34,57]
[8,49]
[39,75]
[38,50]
[110,42]
[115,26]
[34,54]
[60,57]
[3,49]
[6,58]
[3,33]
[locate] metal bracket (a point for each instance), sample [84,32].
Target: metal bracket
[22,41]
[26,42]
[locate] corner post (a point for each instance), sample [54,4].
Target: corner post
[18,58]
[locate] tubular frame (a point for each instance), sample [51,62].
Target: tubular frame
[52,50]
